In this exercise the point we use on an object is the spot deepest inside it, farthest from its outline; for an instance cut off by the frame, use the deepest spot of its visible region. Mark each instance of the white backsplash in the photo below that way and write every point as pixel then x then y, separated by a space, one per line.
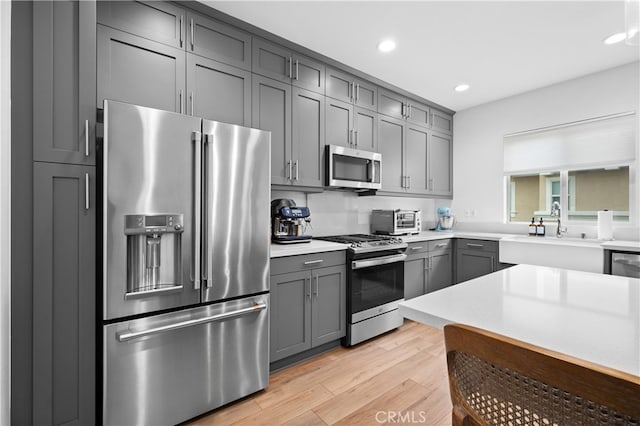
pixel 344 212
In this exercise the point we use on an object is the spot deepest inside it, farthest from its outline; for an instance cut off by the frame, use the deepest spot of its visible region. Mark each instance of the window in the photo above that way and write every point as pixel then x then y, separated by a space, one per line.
pixel 586 167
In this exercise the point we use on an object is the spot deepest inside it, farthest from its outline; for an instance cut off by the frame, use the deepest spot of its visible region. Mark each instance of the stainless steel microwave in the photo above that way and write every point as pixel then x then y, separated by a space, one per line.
pixel 353 168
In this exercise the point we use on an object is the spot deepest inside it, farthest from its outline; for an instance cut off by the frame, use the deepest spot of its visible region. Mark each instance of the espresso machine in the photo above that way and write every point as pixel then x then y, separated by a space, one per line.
pixel 289 223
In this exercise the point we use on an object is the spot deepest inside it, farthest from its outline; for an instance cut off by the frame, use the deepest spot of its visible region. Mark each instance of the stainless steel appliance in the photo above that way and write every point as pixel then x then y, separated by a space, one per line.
pixel 375 284
pixel 289 223
pixel 353 168
pixel 185 267
pixel 396 222
pixel 625 264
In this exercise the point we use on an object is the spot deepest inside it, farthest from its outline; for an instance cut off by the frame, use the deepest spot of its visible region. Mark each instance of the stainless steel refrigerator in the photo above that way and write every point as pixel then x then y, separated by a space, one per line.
pixel 185 264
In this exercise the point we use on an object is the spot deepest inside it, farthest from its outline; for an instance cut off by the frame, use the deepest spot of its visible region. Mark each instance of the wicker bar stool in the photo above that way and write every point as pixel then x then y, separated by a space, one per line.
pixel 496 380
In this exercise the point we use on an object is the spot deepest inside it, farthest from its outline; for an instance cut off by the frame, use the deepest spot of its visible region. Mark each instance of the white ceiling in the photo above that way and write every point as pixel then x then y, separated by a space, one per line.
pixel 500 48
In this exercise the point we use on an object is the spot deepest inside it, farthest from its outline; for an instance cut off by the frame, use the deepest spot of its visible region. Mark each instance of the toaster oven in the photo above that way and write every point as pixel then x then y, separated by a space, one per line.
pixel 396 222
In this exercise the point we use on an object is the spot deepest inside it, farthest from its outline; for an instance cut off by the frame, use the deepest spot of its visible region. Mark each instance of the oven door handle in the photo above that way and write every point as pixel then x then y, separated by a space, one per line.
pixel 384 260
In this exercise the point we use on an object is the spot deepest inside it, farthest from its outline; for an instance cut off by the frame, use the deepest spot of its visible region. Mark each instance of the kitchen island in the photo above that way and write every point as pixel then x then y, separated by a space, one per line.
pixel 586 315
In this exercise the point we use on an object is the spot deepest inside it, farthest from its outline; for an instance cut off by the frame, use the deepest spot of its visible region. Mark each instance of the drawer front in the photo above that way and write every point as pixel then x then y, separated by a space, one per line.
pixel 418 247
pixel 438 245
pixel 480 245
pixel 283 265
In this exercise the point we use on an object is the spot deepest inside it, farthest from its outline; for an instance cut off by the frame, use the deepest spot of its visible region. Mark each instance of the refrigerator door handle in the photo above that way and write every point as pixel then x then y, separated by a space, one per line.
pixel 197 213
pixel 131 335
pixel 207 246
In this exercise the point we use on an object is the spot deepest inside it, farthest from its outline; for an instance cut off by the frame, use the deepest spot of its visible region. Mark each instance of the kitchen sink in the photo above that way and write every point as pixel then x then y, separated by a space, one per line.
pixel 570 253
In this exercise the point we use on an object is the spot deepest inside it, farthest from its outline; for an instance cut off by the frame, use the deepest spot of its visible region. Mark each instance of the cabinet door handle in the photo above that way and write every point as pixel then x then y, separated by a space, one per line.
pixel 410 110
pixel 350 138
pixel 307 282
pixel 356 133
pixel 193 35
pixel 402 110
pixel 417 248
pixel 357 92
pixel 296 166
pixel 317 290
pixel 475 245
pixel 313 262
pixel 408 182
pixel 181 94
pixel 441 245
pixel 191 102
pixel 290 67
pixel 296 69
pixel 289 166
pixel 181 18
pixel 86 191
pixel 86 138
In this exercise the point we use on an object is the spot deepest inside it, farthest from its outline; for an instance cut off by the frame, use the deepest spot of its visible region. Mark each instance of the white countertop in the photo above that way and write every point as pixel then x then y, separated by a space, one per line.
pixel 313 246
pixel 633 246
pixel 590 316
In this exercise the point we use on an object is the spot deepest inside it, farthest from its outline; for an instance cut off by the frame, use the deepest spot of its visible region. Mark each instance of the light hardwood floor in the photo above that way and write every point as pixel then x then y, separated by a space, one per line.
pixel 400 377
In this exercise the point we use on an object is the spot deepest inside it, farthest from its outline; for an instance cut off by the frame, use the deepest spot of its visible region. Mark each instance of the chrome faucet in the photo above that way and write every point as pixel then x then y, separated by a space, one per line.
pixel 556 211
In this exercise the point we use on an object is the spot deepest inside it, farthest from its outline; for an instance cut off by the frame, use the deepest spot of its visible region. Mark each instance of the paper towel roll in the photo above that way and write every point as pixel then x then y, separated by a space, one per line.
pixel 605 225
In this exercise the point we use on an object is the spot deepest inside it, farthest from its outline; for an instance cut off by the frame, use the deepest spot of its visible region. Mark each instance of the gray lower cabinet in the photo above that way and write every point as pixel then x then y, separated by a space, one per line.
pixel 295 117
pixel 139 71
pixel 216 91
pixel 475 258
pixel 277 62
pixel 429 267
pixel 64 70
pixel 64 299
pixel 308 304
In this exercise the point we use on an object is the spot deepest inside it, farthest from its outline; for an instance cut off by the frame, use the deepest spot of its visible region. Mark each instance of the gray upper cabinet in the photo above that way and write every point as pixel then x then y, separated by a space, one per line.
pixel 308 121
pixel 440 161
pixel 441 122
pixel 277 62
pixel 391 133
pixel 416 157
pixel 271 110
pixel 217 91
pixel 158 21
pixel 347 88
pixel 365 129
pixel 339 123
pixel 139 71
pixel 64 70
pixel 398 106
pixel 64 299
pixel 295 117
pixel 213 39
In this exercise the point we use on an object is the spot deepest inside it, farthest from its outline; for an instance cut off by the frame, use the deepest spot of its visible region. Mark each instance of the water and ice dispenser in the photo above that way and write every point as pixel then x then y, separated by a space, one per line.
pixel 154 253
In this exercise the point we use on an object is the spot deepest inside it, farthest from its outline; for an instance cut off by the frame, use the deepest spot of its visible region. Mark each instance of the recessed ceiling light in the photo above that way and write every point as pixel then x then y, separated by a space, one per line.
pixel 615 38
pixel 386 45
pixel 461 87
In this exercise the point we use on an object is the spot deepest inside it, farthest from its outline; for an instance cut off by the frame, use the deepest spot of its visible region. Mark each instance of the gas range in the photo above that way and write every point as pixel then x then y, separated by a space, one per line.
pixel 367 243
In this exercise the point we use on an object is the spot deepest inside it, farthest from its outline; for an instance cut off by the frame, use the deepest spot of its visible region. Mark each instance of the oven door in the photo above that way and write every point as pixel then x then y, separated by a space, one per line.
pixel 375 282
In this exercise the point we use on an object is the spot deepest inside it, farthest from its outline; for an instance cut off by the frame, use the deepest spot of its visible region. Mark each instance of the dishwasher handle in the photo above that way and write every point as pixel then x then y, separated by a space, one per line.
pixel 131 335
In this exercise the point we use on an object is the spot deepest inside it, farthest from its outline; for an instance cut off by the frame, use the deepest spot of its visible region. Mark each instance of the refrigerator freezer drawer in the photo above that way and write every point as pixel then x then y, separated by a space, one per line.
pixel 168 368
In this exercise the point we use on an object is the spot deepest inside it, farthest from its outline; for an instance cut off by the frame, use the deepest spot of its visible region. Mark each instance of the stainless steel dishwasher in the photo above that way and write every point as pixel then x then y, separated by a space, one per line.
pixel 625 264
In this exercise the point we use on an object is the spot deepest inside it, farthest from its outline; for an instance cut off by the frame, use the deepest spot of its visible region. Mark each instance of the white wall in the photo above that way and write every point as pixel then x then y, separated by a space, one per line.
pixel 5 212
pixel 478 133
pixel 344 212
